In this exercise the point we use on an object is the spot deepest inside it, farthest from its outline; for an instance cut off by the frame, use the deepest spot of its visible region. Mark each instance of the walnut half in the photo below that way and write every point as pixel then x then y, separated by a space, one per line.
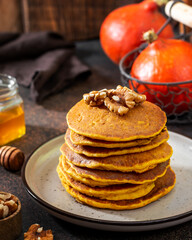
pixel 36 232
pixel 119 100
pixel 95 98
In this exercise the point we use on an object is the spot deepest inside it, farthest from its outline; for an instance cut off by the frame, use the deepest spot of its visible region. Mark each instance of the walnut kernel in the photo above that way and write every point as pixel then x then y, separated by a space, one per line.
pixel 8 205
pixel 119 100
pixel 35 232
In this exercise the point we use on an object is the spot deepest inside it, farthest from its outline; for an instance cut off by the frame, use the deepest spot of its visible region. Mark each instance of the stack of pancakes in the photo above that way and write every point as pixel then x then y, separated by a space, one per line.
pixel 116 162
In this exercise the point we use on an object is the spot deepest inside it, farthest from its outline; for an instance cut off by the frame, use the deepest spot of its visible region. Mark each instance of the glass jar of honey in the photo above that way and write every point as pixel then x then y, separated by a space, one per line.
pixel 12 121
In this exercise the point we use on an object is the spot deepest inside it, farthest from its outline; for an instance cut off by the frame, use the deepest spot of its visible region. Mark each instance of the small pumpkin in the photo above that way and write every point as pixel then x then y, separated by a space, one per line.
pixel 166 61
pixel 122 29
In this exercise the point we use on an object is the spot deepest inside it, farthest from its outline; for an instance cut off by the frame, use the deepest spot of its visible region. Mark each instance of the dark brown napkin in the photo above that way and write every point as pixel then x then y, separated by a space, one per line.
pixel 42 61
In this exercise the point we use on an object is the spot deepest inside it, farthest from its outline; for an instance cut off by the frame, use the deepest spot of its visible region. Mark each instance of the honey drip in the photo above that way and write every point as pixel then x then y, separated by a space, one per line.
pixel 12 124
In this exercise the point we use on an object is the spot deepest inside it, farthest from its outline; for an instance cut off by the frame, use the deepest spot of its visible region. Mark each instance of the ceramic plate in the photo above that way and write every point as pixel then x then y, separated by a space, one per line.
pixel 42 183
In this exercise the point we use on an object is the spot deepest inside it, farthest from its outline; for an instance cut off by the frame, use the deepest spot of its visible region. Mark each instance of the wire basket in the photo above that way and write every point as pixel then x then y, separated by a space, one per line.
pixel 174 98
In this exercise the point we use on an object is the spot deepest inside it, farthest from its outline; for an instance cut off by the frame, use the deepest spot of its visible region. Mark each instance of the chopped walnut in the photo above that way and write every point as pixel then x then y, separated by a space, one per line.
pixel 8 205
pixel 35 232
pixel 119 100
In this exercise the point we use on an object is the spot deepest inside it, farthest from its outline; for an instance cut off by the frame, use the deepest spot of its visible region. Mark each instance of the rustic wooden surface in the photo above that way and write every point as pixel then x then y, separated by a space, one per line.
pixel 49 120
pixel 76 19
pixel 11 16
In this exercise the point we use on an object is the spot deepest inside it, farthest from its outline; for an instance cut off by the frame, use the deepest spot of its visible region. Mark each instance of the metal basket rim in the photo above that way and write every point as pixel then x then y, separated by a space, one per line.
pixel 127 75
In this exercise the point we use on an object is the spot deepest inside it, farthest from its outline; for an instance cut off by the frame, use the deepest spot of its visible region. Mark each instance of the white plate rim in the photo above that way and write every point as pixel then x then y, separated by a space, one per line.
pixel 96 223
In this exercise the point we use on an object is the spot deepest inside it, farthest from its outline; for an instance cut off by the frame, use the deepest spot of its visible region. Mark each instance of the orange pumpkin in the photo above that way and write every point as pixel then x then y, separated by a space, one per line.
pixel 123 28
pixel 166 61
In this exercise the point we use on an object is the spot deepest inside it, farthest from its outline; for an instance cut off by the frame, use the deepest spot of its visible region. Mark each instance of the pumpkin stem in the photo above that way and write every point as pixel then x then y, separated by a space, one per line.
pixel 161 2
pixel 150 36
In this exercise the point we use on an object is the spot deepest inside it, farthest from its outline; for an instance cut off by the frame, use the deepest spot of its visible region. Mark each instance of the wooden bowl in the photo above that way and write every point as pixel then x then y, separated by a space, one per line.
pixel 11 226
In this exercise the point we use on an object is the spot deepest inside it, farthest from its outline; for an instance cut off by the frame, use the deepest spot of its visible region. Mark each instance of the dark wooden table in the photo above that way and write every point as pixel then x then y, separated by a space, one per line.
pixel 48 120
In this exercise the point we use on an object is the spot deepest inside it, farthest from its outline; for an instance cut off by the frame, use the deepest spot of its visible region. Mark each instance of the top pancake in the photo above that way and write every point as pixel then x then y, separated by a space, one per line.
pixel 143 121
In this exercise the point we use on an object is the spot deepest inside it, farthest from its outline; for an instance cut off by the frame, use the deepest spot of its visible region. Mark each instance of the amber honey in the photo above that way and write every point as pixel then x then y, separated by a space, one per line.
pixel 12 124
pixel 12 121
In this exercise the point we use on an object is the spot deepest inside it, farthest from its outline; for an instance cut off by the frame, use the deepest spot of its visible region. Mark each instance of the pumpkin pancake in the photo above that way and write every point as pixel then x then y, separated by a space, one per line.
pixel 163 186
pixel 88 181
pixel 138 162
pixel 114 177
pixel 86 141
pixel 114 192
pixel 143 121
pixel 105 152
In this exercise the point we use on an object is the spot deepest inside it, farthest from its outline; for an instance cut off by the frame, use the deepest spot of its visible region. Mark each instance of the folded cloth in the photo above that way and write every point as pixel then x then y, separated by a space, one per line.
pixel 43 61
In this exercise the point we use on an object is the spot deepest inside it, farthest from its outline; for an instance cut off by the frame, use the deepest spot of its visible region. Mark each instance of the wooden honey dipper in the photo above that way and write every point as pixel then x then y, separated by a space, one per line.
pixel 11 158
pixel 180 12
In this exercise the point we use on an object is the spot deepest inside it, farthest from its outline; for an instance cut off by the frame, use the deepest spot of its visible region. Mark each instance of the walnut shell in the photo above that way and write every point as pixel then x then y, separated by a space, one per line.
pixel 11 158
